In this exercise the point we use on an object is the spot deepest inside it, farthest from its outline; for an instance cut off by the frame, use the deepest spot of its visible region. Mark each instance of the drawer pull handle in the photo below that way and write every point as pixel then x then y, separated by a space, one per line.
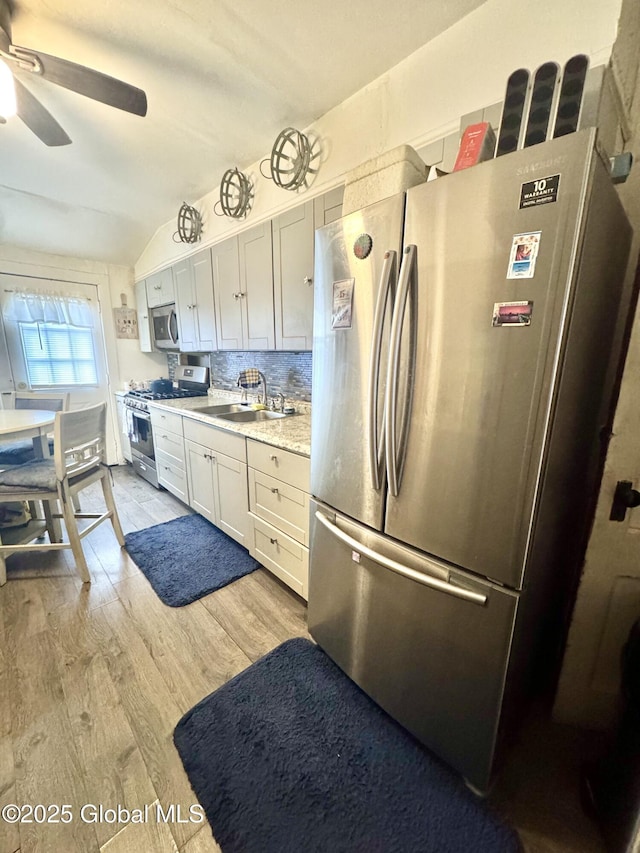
pixel 273 457
pixel 274 491
pixel 273 541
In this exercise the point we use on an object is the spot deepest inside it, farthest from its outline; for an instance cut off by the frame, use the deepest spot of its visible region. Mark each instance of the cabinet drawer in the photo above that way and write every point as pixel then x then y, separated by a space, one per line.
pixel 163 420
pixel 280 504
pixel 228 443
pixel 281 464
pixel 169 444
pixel 277 552
pixel 172 476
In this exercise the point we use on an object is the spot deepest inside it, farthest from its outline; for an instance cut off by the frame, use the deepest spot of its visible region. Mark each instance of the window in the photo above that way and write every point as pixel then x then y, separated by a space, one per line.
pixel 57 354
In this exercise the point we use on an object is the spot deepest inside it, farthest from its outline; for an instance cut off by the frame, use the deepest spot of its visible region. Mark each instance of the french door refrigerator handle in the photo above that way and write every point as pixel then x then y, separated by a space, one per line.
pixel 391 450
pixel 399 569
pixel 376 446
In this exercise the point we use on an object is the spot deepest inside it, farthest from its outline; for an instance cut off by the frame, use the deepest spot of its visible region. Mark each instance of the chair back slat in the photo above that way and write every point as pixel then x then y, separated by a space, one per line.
pixel 46 402
pixel 79 440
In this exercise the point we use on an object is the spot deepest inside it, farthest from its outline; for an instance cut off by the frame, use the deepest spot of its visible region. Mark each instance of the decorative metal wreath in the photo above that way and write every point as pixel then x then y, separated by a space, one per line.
pixel 236 195
pixel 189 225
pixel 291 158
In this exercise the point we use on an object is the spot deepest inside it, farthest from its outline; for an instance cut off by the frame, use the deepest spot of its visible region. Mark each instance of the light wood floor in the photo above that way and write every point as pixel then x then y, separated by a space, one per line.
pixel 94 680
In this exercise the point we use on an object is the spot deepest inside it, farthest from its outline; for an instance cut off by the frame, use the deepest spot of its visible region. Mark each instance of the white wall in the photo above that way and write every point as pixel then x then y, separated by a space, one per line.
pixel 418 101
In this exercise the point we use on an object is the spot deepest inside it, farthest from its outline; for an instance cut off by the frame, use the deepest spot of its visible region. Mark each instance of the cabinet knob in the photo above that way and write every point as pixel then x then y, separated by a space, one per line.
pixel 273 541
pixel 274 491
pixel 308 280
pixel 273 457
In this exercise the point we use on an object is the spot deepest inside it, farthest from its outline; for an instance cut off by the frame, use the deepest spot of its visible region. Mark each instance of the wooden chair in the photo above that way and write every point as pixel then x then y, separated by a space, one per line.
pixel 78 461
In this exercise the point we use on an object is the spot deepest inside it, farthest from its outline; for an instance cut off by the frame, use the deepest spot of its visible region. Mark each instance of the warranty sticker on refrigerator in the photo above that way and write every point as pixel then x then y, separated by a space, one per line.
pixel 342 306
pixel 523 255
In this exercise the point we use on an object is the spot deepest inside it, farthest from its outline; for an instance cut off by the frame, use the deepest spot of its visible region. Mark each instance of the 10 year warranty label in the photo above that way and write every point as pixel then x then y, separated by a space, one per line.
pixel 542 191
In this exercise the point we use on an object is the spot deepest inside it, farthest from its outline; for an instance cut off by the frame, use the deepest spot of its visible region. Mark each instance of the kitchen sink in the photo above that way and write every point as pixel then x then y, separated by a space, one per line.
pixel 223 408
pixel 250 416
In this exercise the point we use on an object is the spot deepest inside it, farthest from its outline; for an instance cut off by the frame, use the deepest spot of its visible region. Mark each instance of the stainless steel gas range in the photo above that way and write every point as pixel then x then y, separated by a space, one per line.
pixel 190 381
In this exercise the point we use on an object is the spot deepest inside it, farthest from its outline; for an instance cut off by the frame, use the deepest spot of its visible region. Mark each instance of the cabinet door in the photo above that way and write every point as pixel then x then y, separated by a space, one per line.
pixel 232 497
pixel 256 287
pixel 144 322
pixel 200 480
pixel 160 288
pixel 293 234
pixel 226 286
pixel 205 318
pixel 183 284
pixel 328 207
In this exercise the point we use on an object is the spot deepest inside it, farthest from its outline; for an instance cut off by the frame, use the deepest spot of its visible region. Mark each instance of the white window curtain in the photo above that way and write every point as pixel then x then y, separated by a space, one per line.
pixel 29 306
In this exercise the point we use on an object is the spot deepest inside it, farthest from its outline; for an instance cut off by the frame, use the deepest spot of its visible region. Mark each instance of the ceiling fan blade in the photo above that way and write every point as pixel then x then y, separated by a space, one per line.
pixel 37 118
pixel 92 84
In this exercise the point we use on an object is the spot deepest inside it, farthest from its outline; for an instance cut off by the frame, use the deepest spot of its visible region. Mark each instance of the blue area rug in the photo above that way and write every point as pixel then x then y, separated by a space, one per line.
pixel 292 756
pixel 187 558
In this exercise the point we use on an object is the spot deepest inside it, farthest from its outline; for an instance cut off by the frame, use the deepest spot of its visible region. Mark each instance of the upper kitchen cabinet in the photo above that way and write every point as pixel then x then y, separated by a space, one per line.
pixel 243 286
pixel 328 207
pixel 193 282
pixel 226 279
pixel 293 237
pixel 293 277
pixel 256 287
pixel 144 322
pixel 160 288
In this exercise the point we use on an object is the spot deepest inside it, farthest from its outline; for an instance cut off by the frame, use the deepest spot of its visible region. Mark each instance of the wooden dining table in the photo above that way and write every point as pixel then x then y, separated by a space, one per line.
pixel 35 424
pixel 28 423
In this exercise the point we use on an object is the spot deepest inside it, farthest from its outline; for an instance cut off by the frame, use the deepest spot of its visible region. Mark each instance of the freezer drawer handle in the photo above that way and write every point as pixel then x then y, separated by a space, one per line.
pixel 385 297
pixel 398 568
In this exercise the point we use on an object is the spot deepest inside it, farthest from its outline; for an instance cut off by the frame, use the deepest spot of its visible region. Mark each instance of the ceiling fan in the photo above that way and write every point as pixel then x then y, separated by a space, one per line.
pixel 77 78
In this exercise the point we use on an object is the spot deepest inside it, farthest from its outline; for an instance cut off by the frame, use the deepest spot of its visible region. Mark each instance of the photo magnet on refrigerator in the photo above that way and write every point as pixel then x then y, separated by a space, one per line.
pixel 522 258
pixel 512 314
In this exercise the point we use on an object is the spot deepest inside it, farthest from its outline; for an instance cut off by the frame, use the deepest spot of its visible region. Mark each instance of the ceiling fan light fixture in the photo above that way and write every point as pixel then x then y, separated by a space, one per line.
pixel 7 92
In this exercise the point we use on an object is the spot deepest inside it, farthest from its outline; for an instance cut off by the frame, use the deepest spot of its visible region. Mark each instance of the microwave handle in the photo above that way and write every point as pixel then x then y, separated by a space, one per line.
pixel 173 326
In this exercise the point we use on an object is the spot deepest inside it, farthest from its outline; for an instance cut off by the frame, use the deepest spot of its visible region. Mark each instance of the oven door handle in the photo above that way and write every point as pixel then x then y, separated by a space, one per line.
pixel 138 413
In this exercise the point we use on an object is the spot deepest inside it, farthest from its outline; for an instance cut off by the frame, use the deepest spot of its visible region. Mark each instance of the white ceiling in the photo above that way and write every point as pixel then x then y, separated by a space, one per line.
pixel 222 79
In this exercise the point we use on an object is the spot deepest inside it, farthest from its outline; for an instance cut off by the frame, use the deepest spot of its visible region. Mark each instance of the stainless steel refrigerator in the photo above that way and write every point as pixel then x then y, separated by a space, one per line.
pixel 466 335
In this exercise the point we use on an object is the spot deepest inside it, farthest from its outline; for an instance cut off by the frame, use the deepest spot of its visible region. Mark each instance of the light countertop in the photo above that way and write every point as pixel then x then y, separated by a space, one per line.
pixel 290 433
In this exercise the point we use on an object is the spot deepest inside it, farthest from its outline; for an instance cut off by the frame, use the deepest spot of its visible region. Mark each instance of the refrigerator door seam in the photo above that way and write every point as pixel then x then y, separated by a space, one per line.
pixel 385 295
pixel 404 282
pixel 399 569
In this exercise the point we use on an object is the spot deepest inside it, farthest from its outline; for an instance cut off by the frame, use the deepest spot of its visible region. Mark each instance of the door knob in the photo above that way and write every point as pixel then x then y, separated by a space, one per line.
pixel 625 497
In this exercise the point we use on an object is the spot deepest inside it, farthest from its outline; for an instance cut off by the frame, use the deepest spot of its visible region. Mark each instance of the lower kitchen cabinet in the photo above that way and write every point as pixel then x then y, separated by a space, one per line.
pixel 217 477
pixel 170 454
pixel 279 513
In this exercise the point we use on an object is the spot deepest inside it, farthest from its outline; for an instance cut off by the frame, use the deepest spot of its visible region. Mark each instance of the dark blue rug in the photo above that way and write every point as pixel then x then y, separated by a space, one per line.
pixel 187 558
pixel 292 756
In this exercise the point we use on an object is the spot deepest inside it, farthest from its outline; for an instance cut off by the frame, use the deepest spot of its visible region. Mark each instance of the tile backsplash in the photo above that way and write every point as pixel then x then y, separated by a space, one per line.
pixel 287 373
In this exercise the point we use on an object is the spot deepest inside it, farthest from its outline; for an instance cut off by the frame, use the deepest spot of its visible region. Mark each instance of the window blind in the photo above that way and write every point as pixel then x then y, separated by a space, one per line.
pixel 58 355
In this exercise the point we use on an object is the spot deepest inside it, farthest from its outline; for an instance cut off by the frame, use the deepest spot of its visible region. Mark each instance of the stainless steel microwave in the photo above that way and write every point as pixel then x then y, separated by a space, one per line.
pixel 164 323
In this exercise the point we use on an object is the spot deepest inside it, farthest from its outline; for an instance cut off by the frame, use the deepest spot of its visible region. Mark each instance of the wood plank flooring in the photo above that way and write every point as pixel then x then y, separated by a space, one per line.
pixel 93 680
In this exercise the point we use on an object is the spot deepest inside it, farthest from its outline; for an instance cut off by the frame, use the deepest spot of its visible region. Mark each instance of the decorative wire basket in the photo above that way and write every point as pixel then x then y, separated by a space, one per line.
pixel 189 225
pixel 291 158
pixel 236 195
